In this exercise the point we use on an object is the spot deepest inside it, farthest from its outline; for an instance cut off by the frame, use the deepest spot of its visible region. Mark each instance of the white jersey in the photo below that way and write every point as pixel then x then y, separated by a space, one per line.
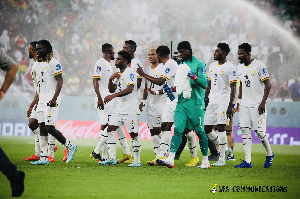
pixel 103 71
pixel 134 65
pixel 156 73
pixel 127 104
pixel 46 82
pixel 252 78
pixel 169 74
pixel 33 64
pixel 221 76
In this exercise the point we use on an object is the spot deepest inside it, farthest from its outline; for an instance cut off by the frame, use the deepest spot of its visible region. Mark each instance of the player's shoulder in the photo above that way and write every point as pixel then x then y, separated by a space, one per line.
pixel 258 63
pixel 171 63
pixel 135 61
pixel 229 65
pixel 213 64
pixel 54 62
pixel 100 61
pixel 129 70
pixel 199 63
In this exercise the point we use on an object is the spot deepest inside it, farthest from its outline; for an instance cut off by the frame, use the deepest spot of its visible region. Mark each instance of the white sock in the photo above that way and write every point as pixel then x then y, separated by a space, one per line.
pixel 265 141
pixel 122 139
pixel 111 144
pixel 222 145
pixel 68 144
pixel 37 146
pixel 102 140
pixel 213 136
pixel 44 152
pixel 156 141
pixel 171 157
pixel 205 159
pixel 247 143
pixel 192 143
pixel 165 142
pixel 51 145
pixel 136 149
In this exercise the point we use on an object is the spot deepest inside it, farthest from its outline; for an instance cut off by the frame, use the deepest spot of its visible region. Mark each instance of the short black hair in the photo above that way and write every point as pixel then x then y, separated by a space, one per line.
pixel 33 44
pixel 163 50
pixel 224 47
pixel 246 47
pixel 184 45
pixel 131 43
pixel 47 44
pixel 106 48
pixel 126 55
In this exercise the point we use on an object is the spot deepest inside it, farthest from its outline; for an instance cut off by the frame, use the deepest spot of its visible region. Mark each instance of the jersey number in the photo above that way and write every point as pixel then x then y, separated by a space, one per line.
pixel 216 78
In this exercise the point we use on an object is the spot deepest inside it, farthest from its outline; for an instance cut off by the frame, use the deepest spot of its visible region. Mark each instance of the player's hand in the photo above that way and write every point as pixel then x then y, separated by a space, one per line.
pixel 262 108
pixel 237 109
pixel 52 103
pixel 109 98
pixel 115 76
pixel 29 111
pixel 140 71
pixel 100 104
pixel 229 111
pixel 141 105
pixel 1 95
pixel 206 101
pixel 151 91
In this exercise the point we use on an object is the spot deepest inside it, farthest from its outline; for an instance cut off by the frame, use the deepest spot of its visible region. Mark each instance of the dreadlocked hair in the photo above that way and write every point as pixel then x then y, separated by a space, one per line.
pixel 185 45
pixel 48 46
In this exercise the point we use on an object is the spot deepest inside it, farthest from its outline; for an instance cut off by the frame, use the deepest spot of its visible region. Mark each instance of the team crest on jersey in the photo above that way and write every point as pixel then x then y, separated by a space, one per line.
pixel 234 73
pixel 132 124
pixel 167 70
pixel 264 71
pixel 131 77
pixel 58 67
pixel 221 73
pixel 98 70
pixel 223 114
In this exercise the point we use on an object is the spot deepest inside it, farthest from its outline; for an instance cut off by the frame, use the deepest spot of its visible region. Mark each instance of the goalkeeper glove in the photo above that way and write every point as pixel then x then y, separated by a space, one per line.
pixel 192 75
pixel 168 91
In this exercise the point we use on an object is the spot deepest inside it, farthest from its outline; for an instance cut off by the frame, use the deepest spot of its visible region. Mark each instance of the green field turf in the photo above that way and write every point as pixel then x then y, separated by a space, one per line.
pixel 84 178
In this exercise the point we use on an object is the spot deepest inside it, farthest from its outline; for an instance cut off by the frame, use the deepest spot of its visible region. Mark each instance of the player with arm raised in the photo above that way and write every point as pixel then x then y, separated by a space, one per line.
pixel 49 84
pixel 168 79
pixel 221 91
pixel 253 93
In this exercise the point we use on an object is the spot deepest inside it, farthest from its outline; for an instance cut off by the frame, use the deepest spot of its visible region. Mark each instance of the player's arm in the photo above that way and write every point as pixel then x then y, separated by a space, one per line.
pixel 111 86
pixel 100 103
pixel 122 93
pixel 145 94
pixel 207 91
pixel 159 81
pixel 139 82
pixel 262 106
pixel 201 78
pixel 33 103
pixel 59 84
pixel 237 109
pixel 8 80
pixel 232 95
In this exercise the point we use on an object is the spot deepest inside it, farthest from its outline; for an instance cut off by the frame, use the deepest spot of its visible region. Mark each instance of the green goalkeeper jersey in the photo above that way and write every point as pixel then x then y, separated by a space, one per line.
pixel 198 86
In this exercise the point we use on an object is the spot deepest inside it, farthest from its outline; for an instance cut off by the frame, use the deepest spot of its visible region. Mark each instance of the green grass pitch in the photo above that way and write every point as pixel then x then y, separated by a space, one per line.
pixel 84 178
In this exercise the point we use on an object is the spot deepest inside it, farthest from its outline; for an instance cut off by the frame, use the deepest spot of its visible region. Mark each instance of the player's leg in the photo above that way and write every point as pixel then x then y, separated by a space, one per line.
pixel 51 146
pixel 51 116
pixel 191 137
pixel 44 146
pixel 230 139
pixel 131 122
pixel 245 125
pixel 101 145
pixel 259 126
pixel 123 141
pixel 181 147
pixel 210 119
pixel 34 126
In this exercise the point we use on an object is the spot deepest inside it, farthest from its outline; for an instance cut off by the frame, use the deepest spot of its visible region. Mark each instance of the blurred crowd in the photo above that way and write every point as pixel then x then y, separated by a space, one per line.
pixel 78 28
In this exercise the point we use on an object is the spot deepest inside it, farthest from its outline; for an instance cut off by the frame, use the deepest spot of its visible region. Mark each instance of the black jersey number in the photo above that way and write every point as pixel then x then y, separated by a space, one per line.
pixel 216 78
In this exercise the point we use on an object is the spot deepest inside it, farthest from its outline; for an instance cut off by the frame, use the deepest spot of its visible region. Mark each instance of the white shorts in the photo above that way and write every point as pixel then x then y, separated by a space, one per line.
pixel 47 114
pixel 168 112
pixel 249 117
pixel 154 115
pixel 215 114
pixel 131 121
pixel 105 114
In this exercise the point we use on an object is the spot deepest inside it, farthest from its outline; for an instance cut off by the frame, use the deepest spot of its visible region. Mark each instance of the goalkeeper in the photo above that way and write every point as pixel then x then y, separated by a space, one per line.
pixel 189 113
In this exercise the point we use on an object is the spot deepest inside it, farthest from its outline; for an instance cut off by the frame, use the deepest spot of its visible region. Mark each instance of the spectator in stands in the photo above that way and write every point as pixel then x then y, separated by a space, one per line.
pixel 295 90
pixel 284 91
